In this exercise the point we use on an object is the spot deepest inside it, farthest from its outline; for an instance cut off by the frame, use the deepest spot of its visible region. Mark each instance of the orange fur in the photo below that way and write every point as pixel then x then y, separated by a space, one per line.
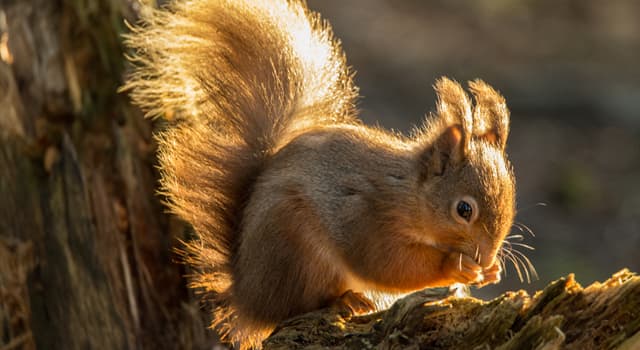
pixel 293 200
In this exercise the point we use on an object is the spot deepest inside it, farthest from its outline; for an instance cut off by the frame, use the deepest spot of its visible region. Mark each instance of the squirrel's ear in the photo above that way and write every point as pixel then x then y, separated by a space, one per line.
pixel 449 130
pixel 445 151
pixel 490 114
pixel 454 109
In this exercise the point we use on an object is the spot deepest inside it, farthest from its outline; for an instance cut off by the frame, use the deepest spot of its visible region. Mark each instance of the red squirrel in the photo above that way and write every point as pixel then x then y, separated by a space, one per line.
pixel 295 202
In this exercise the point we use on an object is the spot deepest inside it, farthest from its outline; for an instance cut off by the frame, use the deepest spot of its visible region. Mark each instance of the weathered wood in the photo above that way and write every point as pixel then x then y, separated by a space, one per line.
pixel 77 187
pixel 16 261
pixel 562 316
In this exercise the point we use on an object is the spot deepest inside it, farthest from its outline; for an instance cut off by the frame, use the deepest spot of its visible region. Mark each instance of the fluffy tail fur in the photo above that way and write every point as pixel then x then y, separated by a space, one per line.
pixel 238 78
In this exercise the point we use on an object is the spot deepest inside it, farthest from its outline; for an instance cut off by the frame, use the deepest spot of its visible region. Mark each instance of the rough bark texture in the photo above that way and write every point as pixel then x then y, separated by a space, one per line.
pixel 562 316
pixel 86 259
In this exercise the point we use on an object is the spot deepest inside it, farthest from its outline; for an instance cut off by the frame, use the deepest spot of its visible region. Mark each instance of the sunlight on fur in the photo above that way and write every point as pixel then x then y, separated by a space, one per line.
pixel 264 156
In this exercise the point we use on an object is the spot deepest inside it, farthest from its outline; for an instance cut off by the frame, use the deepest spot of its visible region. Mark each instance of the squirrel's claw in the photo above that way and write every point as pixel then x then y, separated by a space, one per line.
pixel 353 303
pixel 459 267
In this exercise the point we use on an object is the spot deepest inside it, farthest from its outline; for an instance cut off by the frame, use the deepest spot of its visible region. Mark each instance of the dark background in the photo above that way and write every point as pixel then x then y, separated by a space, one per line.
pixel 569 71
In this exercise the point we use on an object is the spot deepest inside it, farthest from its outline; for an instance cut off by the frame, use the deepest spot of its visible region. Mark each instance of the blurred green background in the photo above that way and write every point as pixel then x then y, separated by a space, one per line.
pixel 570 73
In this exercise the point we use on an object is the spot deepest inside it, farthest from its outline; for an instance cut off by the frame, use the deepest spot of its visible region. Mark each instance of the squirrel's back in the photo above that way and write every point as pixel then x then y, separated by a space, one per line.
pixel 236 79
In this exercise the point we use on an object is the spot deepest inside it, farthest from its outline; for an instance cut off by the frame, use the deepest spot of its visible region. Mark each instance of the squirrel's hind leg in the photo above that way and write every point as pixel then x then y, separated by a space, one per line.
pixel 353 303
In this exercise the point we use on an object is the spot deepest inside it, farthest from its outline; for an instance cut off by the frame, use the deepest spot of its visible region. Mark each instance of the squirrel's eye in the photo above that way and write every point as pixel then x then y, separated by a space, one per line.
pixel 465 210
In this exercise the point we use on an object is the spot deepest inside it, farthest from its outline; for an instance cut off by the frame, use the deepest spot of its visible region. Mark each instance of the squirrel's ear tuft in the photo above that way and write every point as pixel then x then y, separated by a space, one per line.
pixel 449 131
pixel 454 108
pixel 490 114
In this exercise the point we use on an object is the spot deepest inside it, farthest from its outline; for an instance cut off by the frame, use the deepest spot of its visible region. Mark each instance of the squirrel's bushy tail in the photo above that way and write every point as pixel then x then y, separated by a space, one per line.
pixel 238 78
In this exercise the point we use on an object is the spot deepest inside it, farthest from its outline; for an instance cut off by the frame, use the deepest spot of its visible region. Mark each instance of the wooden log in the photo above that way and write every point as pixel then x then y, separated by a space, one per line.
pixel 562 316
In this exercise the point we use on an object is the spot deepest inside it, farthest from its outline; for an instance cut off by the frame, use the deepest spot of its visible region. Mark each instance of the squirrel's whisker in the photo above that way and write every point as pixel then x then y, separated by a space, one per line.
pixel 529 207
pixel 524 268
pixel 532 268
pixel 475 255
pixel 523 265
pixel 503 265
pixel 514 236
pixel 518 227
pixel 525 227
pixel 501 259
pixel 509 255
pixel 525 246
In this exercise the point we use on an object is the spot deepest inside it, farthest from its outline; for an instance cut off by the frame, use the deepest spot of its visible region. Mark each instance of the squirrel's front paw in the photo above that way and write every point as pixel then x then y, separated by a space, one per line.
pixel 461 268
pixel 491 274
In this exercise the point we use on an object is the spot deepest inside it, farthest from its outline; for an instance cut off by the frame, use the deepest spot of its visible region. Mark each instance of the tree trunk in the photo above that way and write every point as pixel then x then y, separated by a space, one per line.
pixel 86 257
